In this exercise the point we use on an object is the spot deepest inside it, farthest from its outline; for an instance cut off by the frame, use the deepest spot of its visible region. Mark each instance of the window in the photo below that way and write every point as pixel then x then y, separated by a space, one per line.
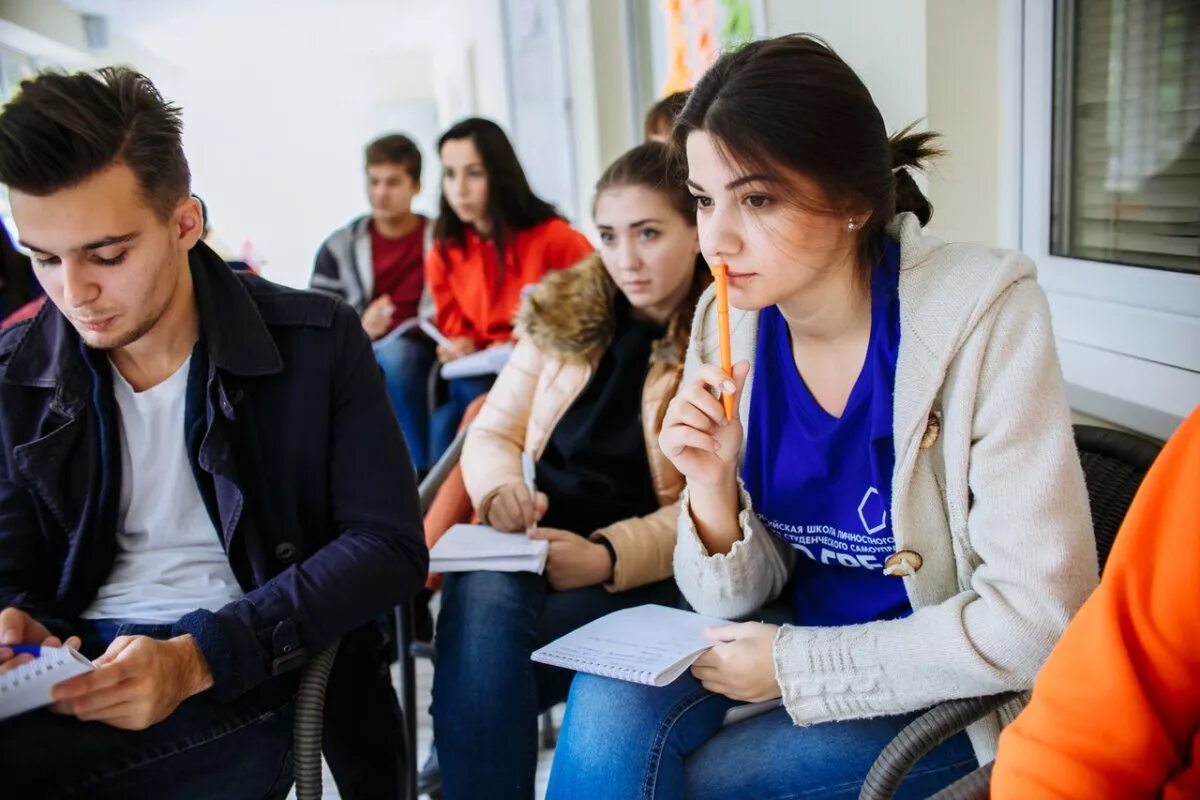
pixel 1109 198
pixel 1126 173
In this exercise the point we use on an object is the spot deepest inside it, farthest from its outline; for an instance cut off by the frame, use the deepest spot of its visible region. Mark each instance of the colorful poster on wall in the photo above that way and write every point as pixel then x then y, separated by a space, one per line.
pixel 696 31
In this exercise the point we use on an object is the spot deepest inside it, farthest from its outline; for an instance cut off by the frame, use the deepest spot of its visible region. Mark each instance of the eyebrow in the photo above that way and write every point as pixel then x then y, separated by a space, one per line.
pixel 757 177
pixel 107 241
pixel 638 224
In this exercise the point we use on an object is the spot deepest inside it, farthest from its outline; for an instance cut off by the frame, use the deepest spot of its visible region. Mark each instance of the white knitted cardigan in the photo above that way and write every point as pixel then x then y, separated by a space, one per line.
pixel 994 505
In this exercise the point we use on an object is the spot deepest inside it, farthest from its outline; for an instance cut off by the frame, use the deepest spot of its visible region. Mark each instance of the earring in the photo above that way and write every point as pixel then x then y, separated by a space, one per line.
pixel 851 225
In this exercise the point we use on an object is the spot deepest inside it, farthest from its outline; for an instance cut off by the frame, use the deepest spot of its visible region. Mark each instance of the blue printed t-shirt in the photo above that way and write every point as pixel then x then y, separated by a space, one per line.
pixel 823 484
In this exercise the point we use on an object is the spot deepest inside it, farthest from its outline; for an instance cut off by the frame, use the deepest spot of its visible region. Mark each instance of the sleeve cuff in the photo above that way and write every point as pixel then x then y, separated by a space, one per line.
pixel 205 628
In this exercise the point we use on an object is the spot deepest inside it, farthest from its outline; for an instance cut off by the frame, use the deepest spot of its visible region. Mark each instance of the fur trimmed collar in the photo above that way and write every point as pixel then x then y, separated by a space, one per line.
pixel 571 314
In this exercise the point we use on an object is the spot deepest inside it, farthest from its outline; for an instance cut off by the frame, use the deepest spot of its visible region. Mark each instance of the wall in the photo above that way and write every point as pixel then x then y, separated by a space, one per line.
pixel 468 65
pixel 273 126
pixel 275 140
pixel 963 82
pixel 884 40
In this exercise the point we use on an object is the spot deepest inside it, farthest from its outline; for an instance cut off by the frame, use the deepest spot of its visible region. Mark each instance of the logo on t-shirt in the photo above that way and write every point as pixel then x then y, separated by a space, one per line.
pixel 872 511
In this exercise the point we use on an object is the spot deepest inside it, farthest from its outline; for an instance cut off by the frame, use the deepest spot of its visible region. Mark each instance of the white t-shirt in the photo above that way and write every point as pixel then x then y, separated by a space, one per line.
pixel 169 560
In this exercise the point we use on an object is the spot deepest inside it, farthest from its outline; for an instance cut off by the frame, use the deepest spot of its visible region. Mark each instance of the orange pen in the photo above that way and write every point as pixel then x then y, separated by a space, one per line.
pixel 722 281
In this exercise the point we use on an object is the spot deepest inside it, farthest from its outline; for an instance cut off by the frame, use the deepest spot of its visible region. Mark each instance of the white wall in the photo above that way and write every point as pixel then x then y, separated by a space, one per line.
pixel 468 60
pixel 276 141
pixel 966 108
pixel 883 40
pixel 278 99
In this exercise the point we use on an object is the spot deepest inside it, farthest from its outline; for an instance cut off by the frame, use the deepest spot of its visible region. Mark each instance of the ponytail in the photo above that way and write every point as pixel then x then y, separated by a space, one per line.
pixel 912 151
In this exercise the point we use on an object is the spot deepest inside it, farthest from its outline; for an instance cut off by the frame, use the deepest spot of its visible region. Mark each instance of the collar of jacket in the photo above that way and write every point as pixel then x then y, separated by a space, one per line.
pixel 48 354
pixel 571 314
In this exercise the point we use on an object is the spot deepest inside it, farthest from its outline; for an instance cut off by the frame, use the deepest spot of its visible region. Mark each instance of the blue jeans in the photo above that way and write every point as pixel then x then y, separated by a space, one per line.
pixel 205 749
pixel 622 740
pixel 444 424
pixel 406 363
pixel 486 692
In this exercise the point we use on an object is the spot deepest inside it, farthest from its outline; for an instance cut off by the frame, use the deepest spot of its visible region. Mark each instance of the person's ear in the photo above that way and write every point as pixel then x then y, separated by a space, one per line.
pixel 187 223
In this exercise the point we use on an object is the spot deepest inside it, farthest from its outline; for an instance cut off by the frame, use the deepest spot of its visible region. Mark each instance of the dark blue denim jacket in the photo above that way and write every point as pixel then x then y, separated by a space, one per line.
pixel 296 451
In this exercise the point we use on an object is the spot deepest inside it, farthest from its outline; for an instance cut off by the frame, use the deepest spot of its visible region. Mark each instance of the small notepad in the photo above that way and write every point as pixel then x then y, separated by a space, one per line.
pixel 651 645
pixel 481 548
pixel 28 686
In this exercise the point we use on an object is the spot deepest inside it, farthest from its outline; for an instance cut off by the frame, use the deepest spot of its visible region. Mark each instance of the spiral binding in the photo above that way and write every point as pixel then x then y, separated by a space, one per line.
pixel 26 672
pixel 620 673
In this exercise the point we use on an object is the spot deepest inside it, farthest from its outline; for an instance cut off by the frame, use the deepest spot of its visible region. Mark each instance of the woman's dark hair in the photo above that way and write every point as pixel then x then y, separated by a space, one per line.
pixel 511 205
pixel 650 165
pixel 793 103
pixel 61 129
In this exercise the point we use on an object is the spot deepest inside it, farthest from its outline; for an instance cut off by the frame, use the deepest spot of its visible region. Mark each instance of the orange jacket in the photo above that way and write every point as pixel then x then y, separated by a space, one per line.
pixel 1116 710
pixel 464 287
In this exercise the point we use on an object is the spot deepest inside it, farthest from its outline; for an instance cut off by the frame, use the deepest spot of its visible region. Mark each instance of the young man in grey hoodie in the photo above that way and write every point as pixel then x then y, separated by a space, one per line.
pixel 376 264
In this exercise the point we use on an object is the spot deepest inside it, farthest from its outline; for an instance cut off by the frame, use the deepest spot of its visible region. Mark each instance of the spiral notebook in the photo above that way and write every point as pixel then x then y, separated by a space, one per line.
pixel 28 686
pixel 651 645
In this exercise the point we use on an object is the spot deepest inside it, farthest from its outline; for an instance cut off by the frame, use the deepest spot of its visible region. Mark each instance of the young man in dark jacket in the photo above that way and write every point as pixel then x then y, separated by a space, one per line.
pixel 201 480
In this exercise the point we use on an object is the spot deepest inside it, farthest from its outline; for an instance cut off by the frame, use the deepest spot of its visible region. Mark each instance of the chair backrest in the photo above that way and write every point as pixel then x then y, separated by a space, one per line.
pixel 1114 464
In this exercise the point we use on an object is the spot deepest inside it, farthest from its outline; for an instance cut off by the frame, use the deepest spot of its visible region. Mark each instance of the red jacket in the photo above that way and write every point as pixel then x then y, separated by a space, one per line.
pixel 472 302
pixel 1116 710
pixel 27 311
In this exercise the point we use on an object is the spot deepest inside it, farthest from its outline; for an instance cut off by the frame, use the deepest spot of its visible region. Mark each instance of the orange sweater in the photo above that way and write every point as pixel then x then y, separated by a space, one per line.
pixel 1116 710
pixel 464 283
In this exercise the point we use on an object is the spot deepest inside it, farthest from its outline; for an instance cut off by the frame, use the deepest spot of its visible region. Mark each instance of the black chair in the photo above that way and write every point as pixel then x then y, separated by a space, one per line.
pixel 1114 464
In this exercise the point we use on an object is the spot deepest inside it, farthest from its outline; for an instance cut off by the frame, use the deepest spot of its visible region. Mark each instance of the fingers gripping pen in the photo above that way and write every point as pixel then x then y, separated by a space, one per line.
pixel 719 275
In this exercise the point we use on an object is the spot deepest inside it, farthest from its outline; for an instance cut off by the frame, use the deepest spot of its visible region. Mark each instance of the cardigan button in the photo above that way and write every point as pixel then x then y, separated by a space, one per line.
pixel 903 564
pixel 933 428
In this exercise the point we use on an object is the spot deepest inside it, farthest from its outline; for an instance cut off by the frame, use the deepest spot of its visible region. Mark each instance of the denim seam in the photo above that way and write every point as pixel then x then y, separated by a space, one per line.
pixel 190 742
pixel 650 780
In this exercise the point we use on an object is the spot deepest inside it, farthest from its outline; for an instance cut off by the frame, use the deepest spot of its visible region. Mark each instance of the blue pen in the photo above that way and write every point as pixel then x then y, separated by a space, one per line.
pixel 24 649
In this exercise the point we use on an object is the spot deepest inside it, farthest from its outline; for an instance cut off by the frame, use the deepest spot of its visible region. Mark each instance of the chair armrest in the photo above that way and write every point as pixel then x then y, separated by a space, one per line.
pixel 308 727
pixel 973 786
pixel 922 735
pixel 438 472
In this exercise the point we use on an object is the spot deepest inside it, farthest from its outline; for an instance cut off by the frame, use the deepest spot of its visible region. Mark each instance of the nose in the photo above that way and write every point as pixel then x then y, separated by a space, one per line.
pixel 628 258
pixel 78 289
pixel 720 234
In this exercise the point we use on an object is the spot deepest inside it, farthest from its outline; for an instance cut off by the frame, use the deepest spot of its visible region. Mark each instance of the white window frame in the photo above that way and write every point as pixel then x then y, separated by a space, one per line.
pixel 1128 336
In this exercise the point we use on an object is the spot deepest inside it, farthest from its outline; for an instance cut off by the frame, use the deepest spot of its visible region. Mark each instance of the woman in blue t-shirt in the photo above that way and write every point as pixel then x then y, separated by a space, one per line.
pixel 899 474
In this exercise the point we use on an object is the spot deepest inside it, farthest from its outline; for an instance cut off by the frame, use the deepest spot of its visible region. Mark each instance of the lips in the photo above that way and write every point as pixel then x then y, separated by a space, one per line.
pixel 635 286
pixel 96 325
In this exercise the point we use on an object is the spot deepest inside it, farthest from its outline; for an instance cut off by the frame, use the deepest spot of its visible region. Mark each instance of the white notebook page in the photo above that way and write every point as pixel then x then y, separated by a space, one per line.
pixel 28 686
pixel 648 644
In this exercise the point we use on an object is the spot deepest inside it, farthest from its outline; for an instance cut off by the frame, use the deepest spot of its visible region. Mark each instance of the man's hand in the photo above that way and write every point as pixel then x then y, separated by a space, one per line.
pixel 139 681
pixel 742 667
pixel 573 561
pixel 378 316
pixel 17 627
